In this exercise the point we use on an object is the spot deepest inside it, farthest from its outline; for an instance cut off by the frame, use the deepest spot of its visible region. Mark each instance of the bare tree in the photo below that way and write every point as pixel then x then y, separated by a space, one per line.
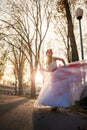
pixel 18 62
pixel 3 59
pixel 61 31
pixel 3 54
pixel 63 7
pixel 26 23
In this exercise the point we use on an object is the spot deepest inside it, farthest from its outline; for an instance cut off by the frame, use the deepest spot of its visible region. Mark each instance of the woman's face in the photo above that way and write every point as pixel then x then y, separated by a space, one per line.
pixel 49 53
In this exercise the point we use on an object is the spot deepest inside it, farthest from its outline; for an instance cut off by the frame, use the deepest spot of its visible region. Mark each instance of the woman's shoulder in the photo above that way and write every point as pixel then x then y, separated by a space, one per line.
pixel 54 58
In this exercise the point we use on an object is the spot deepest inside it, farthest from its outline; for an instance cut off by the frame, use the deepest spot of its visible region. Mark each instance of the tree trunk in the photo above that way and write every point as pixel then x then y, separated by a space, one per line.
pixel 33 88
pixel 33 74
pixel 20 91
pixel 70 32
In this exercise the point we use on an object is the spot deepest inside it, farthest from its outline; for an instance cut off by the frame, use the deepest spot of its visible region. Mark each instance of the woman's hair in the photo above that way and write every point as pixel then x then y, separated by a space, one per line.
pixel 49 58
pixel 49 51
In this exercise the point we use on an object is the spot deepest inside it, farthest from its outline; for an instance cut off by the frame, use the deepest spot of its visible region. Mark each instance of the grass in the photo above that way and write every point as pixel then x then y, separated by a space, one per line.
pixel 80 109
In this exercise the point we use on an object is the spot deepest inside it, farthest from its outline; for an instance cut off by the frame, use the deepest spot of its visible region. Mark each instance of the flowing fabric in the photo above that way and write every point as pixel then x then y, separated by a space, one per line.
pixel 63 87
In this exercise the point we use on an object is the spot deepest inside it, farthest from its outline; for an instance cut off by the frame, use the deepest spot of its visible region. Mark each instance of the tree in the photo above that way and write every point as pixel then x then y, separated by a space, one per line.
pixel 26 21
pixel 3 54
pixel 18 62
pixel 63 6
pixel 3 59
pixel 63 38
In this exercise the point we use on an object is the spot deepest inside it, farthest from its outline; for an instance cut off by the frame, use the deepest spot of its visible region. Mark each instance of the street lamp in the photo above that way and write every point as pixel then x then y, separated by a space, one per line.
pixel 79 14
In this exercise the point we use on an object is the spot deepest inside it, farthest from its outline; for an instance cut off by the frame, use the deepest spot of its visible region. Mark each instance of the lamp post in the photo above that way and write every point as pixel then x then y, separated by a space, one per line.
pixel 79 14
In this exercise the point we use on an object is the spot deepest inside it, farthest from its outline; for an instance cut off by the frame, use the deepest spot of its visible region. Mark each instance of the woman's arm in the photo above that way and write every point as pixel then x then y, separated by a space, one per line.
pixel 58 58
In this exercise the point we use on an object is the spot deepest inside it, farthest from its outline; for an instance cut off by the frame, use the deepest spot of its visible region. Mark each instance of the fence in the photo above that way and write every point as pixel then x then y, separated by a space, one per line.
pixel 7 89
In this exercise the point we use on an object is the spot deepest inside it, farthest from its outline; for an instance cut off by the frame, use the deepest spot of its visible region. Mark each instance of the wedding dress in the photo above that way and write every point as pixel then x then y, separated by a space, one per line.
pixel 63 85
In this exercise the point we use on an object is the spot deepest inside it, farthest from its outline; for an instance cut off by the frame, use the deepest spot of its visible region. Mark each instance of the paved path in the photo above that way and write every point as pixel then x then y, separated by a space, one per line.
pixel 18 113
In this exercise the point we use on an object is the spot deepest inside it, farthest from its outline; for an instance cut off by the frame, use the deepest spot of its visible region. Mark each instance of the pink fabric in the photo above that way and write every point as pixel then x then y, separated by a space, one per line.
pixel 63 86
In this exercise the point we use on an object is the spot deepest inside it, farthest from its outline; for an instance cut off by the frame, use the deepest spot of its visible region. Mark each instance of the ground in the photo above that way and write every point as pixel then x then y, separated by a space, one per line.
pixel 18 113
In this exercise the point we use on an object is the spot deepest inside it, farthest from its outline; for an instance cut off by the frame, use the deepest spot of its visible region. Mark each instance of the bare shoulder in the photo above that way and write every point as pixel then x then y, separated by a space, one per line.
pixel 55 58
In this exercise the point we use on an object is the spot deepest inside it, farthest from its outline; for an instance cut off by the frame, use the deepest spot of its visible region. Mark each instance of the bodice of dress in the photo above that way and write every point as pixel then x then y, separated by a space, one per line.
pixel 51 66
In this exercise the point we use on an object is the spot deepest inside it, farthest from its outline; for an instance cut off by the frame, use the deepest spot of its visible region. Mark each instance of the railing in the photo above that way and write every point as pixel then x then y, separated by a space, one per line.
pixel 7 89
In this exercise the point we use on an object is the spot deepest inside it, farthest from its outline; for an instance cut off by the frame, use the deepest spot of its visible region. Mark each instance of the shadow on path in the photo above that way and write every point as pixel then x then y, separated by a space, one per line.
pixel 7 107
pixel 44 119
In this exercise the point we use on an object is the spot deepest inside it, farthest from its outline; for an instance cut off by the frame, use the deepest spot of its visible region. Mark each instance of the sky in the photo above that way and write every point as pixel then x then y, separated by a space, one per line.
pixel 3 4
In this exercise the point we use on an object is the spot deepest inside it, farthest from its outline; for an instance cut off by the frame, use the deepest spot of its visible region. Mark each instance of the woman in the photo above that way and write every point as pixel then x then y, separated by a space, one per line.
pixel 62 85
pixel 51 63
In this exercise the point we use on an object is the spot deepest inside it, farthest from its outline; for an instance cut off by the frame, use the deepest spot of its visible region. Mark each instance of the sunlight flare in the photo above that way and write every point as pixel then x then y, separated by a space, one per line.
pixel 38 77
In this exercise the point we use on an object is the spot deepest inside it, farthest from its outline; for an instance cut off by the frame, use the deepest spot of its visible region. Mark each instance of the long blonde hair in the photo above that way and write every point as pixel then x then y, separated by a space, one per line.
pixel 49 60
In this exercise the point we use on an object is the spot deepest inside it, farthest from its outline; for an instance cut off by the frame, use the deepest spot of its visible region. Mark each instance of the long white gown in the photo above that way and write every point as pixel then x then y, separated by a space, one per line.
pixel 63 86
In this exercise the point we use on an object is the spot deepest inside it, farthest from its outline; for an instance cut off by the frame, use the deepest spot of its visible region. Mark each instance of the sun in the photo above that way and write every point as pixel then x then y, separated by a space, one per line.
pixel 39 77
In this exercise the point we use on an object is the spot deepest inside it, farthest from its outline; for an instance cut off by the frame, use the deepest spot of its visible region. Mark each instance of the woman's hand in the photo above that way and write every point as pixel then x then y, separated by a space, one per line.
pixel 64 64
